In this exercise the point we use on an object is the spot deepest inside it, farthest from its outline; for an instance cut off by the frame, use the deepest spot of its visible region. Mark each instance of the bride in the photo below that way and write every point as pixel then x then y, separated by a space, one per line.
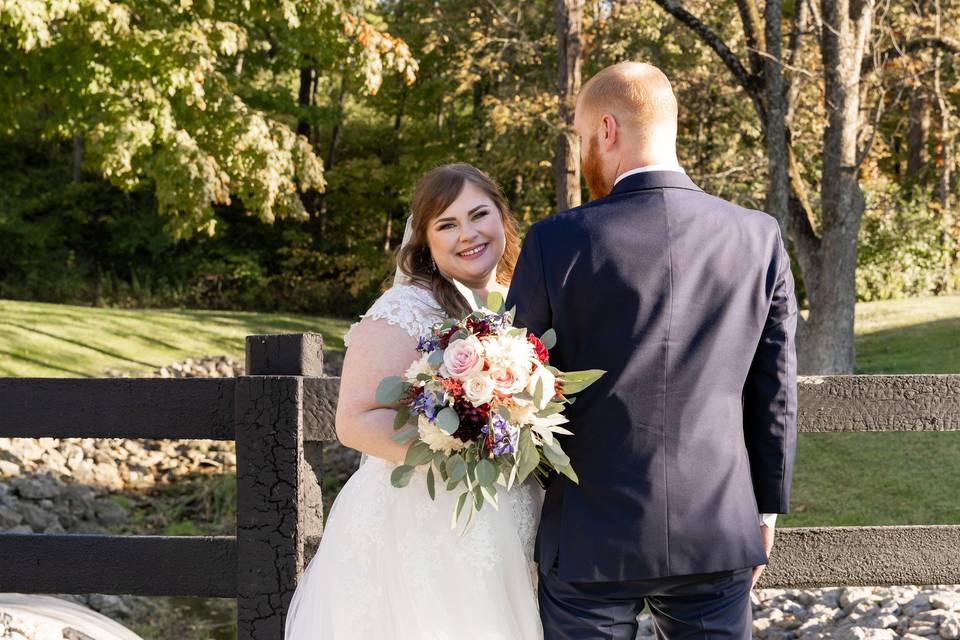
pixel 389 566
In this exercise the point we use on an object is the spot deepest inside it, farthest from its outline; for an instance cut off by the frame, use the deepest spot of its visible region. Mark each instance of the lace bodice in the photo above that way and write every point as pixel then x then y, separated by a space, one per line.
pixel 408 306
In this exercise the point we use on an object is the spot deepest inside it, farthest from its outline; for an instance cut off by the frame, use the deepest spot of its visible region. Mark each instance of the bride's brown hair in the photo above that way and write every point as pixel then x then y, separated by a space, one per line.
pixel 436 191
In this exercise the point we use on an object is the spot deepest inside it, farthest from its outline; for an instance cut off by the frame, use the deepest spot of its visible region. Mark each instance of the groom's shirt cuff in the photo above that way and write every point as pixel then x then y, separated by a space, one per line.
pixel 768 519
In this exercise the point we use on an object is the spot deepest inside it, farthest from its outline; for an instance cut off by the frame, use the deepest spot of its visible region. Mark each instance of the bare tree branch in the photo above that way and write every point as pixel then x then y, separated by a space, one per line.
pixel 748 82
pixel 940 43
pixel 801 18
pixel 753 30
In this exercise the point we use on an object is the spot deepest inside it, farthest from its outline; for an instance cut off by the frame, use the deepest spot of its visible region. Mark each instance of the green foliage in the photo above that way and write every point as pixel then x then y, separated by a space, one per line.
pixel 156 91
pixel 907 247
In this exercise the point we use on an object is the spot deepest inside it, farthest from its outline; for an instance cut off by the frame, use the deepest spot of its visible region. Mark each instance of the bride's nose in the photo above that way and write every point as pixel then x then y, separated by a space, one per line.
pixel 468 232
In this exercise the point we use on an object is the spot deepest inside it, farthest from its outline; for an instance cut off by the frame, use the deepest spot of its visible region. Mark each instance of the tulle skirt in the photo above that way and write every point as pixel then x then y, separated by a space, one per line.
pixel 389 566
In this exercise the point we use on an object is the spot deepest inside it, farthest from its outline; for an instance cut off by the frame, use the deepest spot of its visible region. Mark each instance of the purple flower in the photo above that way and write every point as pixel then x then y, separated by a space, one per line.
pixel 428 404
pixel 426 344
pixel 504 435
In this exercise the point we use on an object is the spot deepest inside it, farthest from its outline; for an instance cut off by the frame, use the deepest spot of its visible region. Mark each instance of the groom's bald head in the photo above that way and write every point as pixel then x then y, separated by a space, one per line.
pixel 626 117
pixel 637 94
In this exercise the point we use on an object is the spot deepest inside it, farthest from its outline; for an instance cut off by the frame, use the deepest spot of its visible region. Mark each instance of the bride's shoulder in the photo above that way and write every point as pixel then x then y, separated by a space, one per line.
pixel 406 305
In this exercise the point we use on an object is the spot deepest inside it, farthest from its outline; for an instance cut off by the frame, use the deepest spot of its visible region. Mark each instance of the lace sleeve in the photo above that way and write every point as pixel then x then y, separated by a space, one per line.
pixel 407 306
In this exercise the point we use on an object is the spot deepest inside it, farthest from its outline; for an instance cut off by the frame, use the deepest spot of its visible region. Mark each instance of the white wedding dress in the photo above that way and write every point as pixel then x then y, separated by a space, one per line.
pixel 389 567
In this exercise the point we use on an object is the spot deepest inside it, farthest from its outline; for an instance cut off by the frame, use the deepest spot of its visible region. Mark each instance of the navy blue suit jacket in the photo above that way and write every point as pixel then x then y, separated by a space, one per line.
pixel 687 301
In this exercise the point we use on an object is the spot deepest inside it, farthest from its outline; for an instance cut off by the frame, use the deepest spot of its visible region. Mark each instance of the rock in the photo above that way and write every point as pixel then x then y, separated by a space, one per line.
pixel 110 514
pixel 8 468
pixel 947 600
pixel 950 628
pixel 36 488
pixel 864 633
pixel 9 517
pixel 849 596
pixel 109 605
pixel 37 518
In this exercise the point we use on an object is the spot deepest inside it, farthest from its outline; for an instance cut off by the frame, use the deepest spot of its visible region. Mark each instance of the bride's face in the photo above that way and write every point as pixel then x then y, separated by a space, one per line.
pixel 467 238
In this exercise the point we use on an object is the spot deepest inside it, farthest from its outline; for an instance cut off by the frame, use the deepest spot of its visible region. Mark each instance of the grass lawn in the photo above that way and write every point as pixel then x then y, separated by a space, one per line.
pixel 887 478
pixel 52 340
pixel 840 479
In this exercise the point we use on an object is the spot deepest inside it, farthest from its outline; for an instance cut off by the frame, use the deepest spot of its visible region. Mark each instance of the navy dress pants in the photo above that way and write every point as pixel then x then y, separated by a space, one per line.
pixel 703 606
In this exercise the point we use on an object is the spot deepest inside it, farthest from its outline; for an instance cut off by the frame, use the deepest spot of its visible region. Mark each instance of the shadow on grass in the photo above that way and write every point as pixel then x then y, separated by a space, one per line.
pixel 77 343
pixel 43 363
pixel 925 347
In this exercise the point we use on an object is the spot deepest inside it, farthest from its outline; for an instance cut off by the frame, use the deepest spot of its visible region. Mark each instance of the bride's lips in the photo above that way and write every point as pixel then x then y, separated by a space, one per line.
pixel 472 253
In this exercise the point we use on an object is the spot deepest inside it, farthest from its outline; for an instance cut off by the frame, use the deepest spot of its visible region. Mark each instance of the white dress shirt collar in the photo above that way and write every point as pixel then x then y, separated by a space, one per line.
pixel 649 167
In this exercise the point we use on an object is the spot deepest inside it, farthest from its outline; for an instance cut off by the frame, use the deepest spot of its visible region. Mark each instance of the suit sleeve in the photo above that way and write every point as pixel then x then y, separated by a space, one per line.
pixel 528 291
pixel 770 395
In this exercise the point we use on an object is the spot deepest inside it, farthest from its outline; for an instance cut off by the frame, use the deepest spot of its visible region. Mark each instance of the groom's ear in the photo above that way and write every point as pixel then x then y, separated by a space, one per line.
pixel 609 131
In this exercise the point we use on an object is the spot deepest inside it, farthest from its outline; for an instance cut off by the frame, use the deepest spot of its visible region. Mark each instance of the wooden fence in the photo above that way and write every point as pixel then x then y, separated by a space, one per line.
pixel 281 412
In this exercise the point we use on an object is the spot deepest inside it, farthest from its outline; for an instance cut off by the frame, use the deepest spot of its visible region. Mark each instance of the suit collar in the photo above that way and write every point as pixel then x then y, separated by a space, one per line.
pixel 654 180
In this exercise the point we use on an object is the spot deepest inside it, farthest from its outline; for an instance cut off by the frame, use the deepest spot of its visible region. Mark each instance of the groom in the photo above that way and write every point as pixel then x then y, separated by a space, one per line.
pixel 685 448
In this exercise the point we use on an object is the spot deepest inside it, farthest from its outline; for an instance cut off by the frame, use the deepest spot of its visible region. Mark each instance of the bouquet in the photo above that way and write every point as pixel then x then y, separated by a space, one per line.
pixel 484 407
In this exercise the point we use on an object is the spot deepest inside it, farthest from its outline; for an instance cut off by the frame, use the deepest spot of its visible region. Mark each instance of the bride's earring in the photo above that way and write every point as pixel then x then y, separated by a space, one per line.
pixel 434 264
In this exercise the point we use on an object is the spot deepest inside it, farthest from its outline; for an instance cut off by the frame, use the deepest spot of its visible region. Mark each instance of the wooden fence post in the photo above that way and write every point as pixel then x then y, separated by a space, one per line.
pixel 278 492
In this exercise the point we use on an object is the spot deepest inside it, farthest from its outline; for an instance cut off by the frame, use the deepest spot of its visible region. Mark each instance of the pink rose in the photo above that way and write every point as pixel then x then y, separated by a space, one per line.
pixel 507 382
pixel 463 358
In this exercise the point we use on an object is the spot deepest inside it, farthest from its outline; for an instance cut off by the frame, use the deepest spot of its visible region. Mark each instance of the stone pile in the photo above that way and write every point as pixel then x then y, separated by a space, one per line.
pixel 851 613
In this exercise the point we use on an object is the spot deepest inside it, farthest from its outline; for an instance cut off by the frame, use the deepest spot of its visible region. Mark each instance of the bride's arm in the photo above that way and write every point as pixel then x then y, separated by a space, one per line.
pixel 377 350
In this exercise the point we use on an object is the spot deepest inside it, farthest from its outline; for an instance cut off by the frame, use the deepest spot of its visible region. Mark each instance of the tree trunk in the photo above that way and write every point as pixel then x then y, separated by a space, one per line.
pixel 917 128
pixel 77 156
pixel 828 335
pixel 778 179
pixel 566 162
pixel 304 99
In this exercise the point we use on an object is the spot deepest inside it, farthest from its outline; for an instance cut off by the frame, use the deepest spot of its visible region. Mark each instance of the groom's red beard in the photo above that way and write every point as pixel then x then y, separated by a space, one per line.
pixel 593 172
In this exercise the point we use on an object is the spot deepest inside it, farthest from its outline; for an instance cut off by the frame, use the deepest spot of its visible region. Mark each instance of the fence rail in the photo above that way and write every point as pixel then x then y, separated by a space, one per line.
pixel 280 414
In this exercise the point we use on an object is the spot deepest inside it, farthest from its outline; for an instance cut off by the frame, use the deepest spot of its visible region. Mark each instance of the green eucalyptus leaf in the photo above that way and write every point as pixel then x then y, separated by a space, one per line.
pixel 431 488
pixel 403 415
pixel 462 500
pixel 401 476
pixel 490 496
pixel 555 455
pixel 456 468
pixel 390 390
pixel 435 359
pixel 568 471
pixel 579 380
pixel 448 421
pixel 405 435
pixel 418 453
pixel 486 473
pixel 495 302
pixel 549 338
pixel 550 409
pixel 529 457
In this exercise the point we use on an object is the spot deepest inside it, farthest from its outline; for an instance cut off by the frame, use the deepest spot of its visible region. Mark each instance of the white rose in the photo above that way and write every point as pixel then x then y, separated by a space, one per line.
pixel 436 439
pixel 479 389
pixel 546 377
